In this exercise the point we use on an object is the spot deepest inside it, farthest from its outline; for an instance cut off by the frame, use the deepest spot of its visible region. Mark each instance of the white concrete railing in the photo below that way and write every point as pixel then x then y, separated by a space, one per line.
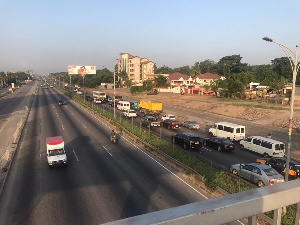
pixel 247 204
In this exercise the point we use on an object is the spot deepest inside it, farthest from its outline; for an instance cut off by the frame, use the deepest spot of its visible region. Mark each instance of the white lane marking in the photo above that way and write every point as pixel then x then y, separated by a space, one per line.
pixel 75 155
pixel 167 169
pixel 107 150
pixel 84 125
pixel 62 127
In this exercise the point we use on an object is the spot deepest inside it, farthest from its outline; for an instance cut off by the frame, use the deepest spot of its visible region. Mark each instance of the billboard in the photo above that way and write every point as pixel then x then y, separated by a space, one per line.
pixel 82 70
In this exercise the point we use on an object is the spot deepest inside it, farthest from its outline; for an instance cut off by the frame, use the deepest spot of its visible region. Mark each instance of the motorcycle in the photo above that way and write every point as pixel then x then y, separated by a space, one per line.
pixel 113 138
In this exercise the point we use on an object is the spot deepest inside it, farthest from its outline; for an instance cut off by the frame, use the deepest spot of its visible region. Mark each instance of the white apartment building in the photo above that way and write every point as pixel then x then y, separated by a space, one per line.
pixel 137 68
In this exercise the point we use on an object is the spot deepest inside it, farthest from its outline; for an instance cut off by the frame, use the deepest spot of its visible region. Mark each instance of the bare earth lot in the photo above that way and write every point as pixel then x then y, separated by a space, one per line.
pixel 266 115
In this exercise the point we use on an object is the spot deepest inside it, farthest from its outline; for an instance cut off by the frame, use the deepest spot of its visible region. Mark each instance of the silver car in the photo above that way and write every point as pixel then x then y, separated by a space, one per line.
pixel 191 124
pixel 257 173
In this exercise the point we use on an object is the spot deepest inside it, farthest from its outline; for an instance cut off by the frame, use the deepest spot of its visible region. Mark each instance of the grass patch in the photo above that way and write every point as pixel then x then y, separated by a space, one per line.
pixel 228 99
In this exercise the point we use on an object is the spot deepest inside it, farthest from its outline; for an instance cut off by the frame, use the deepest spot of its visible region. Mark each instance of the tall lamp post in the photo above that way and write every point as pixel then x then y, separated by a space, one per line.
pixel 114 93
pixel 295 66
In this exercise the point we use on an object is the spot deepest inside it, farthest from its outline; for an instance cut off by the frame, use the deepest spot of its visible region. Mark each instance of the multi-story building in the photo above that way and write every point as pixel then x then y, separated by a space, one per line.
pixel 137 68
pixel 207 79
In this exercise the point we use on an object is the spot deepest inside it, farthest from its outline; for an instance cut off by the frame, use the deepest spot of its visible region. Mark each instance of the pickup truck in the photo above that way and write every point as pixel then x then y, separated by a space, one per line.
pixel 149 120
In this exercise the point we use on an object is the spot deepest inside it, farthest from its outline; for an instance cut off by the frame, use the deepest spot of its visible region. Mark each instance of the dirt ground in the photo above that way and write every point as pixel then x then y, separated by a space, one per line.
pixel 267 115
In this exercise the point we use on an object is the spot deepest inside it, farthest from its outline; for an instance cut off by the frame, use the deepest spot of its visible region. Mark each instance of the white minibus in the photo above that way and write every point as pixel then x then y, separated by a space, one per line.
pixel 231 131
pixel 264 146
pixel 123 105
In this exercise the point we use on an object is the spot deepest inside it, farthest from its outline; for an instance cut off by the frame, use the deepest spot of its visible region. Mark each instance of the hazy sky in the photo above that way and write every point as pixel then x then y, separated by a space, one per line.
pixel 48 35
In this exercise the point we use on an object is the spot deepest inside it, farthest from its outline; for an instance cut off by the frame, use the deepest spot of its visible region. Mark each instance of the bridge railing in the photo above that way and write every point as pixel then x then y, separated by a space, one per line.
pixel 229 208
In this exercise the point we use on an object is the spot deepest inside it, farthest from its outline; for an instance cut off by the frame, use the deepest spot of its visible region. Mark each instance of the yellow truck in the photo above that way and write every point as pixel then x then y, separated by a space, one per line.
pixel 150 107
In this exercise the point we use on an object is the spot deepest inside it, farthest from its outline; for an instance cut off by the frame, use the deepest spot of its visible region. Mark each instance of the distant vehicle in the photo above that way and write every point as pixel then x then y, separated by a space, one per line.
pixel 88 98
pixel 168 116
pixel 155 116
pixel 130 113
pixel 191 124
pixel 188 140
pixel 231 131
pixel 221 144
pixel 134 105
pixel 99 94
pixel 61 102
pixel 150 107
pixel 263 146
pixel 118 98
pixel 279 164
pixel 258 173
pixel 56 155
pixel 103 100
pixel 150 121
pixel 154 92
pixel 123 105
pixel 171 124
pixel 109 100
pixel 51 86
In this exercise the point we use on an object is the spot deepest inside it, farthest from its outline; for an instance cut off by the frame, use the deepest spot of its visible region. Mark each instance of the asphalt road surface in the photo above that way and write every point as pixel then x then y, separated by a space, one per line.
pixel 103 181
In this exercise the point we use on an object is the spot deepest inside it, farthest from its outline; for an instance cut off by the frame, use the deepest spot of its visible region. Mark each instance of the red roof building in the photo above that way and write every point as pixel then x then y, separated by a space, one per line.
pixel 208 78
pixel 179 79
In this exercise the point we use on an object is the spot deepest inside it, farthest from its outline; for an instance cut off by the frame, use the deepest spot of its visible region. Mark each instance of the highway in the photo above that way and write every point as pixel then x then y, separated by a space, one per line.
pixel 103 182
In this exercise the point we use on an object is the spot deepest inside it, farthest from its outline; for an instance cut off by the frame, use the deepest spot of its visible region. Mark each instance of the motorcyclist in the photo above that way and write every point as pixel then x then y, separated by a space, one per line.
pixel 113 134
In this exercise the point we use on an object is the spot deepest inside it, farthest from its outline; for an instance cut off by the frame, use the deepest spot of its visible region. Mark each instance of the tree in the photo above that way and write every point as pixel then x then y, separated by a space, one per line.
pixel 123 76
pixel 231 64
pixel 282 67
pixel 128 83
pixel 147 84
pixel 184 70
pixel 160 81
pixel 207 66
pixel 163 70
pixel 234 87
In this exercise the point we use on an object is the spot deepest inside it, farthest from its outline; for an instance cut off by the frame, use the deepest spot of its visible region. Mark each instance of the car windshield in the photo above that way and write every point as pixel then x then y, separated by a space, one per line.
pixel 226 141
pixel 54 152
pixel 270 172
pixel 172 117
pixel 279 147
pixel 194 138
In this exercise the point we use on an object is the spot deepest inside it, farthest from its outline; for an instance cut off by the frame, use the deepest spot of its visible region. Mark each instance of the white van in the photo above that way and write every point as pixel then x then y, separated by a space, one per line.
pixel 264 146
pixel 231 131
pixel 123 105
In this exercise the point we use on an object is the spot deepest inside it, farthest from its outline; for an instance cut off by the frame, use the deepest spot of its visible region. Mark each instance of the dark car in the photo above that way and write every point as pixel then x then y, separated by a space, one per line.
pixel 171 124
pixel 103 100
pixel 152 115
pixel 221 144
pixel 61 102
pixel 279 163
pixel 89 98
pixel 187 140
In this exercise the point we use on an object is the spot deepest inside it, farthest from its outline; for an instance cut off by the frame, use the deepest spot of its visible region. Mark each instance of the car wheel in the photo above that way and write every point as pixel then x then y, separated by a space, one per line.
pixel 235 172
pixel 185 146
pixel 242 147
pixel 211 134
pixel 219 148
pixel 260 183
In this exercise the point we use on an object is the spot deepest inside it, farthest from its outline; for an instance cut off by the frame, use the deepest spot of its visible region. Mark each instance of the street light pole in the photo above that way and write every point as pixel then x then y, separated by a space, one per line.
pixel 295 66
pixel 114 93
